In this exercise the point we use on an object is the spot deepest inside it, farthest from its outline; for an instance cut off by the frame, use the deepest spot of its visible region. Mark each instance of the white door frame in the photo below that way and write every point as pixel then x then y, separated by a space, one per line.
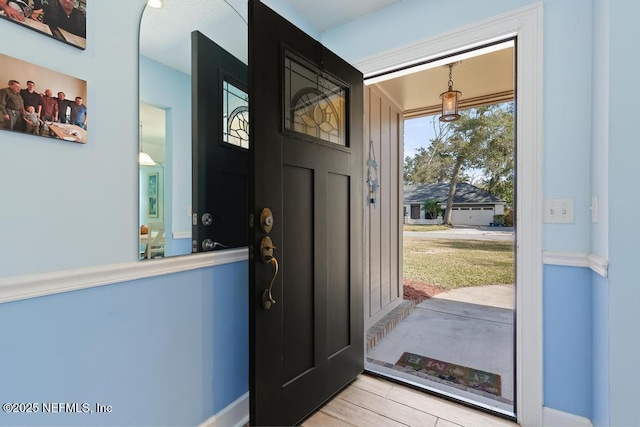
pixel 525 24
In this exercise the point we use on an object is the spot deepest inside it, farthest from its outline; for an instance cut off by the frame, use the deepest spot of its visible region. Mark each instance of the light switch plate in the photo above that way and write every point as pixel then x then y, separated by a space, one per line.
pixel 558 211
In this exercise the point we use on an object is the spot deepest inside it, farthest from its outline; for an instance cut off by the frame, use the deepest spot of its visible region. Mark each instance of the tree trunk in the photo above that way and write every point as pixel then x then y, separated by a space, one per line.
pixel 452 189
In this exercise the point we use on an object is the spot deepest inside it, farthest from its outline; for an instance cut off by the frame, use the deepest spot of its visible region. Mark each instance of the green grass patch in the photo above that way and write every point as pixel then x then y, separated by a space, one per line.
pixel 451 264
pixel 425 227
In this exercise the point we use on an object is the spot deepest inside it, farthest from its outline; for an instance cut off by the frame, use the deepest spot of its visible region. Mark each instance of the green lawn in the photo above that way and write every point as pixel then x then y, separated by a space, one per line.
pixel 450 264
pixel 421 227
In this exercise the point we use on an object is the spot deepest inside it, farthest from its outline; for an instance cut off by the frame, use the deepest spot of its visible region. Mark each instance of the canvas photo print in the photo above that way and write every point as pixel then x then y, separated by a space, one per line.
pixel 37 101
pixel 64 20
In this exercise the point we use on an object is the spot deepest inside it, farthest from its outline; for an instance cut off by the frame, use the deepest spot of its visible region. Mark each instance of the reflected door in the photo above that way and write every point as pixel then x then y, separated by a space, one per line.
pixel 220 147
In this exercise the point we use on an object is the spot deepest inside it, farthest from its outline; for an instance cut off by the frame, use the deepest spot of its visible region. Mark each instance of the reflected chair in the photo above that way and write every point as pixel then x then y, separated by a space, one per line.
pixel 155 243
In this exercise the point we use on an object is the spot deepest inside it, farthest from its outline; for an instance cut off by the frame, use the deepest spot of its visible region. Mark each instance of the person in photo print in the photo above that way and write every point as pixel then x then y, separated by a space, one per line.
pixel 63 14
pixel 11 12
pixel 63 107
pixel 12 106
pixel 79 113
pixel 32 120
pixel 31 97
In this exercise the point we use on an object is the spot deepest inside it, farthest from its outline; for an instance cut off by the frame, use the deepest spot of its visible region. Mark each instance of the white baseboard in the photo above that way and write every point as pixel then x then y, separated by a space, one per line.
pixel 236 414
pixel 554 418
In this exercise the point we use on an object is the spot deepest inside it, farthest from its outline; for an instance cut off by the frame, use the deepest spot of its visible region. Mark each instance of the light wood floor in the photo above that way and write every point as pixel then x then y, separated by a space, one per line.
pixel 371 401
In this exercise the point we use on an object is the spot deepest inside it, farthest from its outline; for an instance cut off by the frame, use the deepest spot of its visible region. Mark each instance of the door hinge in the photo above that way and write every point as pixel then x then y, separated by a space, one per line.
pixel 194 219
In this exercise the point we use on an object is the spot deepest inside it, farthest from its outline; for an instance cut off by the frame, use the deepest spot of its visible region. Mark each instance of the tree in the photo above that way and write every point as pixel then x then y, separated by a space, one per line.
pixel 432 209
pixel 499 161
pixel 466 146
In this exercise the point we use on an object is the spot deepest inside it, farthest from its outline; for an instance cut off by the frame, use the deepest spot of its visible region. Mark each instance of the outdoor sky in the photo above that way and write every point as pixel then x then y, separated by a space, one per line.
pixel 418 133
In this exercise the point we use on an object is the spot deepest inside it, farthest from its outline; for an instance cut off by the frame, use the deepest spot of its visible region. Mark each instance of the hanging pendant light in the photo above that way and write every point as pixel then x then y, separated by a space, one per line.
pixel 450 101
pixel 143 158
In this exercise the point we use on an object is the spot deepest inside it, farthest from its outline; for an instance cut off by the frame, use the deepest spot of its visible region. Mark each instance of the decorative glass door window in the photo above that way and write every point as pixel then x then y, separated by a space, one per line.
pixel 235 113
pixel 315 104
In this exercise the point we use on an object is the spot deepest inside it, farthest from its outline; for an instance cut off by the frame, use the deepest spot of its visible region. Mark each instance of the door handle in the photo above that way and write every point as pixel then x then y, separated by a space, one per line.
pixel 267 298
pixel 266 253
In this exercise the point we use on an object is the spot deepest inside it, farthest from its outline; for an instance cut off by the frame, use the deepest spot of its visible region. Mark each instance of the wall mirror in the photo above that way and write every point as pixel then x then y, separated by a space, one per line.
pixel 171 172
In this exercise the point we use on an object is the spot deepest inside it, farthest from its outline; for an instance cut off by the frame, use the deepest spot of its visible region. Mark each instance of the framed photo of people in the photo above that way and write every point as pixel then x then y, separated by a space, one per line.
pixel 38 101
pixel 64 20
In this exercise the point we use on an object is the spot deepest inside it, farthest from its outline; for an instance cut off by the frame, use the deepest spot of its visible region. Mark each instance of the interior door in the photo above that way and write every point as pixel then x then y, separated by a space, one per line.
pixel 220 142
pixel 306 337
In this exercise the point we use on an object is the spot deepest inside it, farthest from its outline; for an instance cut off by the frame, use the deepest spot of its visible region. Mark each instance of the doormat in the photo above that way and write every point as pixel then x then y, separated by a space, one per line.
pixel 449 373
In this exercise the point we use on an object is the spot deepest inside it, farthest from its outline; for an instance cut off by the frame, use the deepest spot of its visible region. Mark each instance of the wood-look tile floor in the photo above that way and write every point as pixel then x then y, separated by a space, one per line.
pixel 371 401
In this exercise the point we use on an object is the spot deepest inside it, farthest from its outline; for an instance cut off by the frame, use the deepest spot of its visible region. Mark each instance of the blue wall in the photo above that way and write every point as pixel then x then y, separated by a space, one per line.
pixel 600 350
pixel 567 339
pixel 165 351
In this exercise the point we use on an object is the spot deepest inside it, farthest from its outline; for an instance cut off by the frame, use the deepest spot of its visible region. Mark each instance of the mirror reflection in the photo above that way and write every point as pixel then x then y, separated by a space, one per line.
pixel 165 163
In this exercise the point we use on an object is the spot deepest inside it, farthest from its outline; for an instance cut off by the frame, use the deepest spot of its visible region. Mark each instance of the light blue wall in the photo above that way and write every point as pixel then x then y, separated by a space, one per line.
pixel 170 90
pixel 600 128
pixel 624 152
pixel 171 350
pixel 67 205
pixel 566 118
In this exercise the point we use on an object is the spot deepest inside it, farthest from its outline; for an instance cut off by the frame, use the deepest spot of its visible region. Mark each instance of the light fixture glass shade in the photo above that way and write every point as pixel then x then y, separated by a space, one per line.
pixel 156 4
pixel 145 160
pixel 450 105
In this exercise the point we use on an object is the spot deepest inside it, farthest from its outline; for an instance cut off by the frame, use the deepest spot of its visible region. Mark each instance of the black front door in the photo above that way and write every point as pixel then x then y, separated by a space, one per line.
pixel 306 338
pixel 220 153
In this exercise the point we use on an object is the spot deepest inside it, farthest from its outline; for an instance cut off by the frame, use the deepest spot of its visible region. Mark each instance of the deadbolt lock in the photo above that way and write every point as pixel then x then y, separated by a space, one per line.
pixel 266 220
pixel 207 219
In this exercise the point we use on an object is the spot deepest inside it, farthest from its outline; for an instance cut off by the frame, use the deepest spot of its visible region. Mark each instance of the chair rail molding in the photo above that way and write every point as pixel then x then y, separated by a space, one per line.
pixel 37 285
pixel 594 262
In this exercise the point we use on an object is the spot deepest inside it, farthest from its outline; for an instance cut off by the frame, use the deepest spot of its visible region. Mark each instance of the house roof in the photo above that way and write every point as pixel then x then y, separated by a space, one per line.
pixel 465 194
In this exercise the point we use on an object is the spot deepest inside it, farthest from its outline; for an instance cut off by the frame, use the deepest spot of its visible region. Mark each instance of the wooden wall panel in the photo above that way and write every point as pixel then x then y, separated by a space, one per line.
pixel 382 228
pixel 374 213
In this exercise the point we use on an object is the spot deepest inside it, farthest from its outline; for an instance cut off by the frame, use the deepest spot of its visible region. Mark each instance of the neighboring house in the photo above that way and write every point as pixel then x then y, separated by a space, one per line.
pixel 471 205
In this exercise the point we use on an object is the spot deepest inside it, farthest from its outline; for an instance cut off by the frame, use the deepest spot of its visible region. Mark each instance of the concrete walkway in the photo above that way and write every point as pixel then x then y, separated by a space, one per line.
pixel 472 327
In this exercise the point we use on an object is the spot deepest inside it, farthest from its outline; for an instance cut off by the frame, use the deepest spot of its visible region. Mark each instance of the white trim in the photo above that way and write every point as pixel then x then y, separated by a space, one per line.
pixel 182 234
pixel 596 263
pixel 235 414
pixel 526 24
pixel 37 285
pixel 554 418
pixel 497 28
pixel 599 264
pixel 565 259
